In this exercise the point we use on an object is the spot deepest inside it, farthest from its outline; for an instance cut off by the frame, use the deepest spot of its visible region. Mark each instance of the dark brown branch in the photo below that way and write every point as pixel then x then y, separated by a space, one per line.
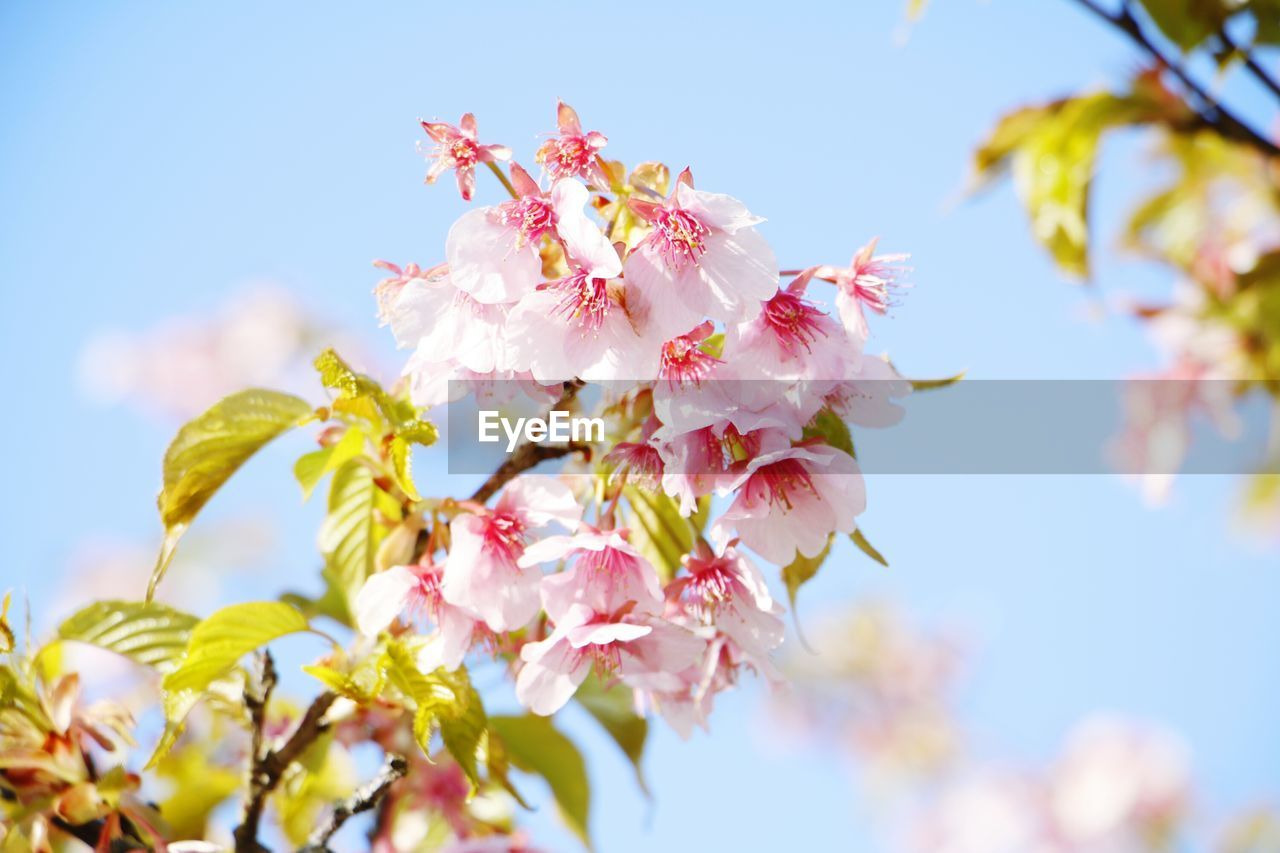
pixel 528 455
pixel 268 768
pixel 365 798
pixel 1213 114
pixel 1246 56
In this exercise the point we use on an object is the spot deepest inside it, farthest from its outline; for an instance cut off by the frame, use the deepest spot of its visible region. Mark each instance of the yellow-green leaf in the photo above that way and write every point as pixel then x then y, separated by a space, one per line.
pixel 866 547
pixel 536 746
pixel 209 449
pixel 218 642
pixel 363 396
pixel 1051 150
pixel 614 708
pixel 445 700
pixel 935 384
pixel 801 570
pixel 311 467
pixel 149 633
pixel 828 426
pixel 658 531
pixel 1186 23
pixel 349 535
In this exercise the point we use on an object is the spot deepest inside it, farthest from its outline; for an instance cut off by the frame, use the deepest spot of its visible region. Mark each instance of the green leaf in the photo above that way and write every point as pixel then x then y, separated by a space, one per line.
pixel 801 570
pixel 658 531
pixel 614 708
pixel 444 700
pixel 1186 23
pixel 311 467
pixel 828 426
pixel 209 449
pixel 349 535
pixel 362 396
pixel 218 642
pixel 865 547
pixel 1051 150
pixel 401 455
pixel 935 384
pixel 536 746
pixel 148 633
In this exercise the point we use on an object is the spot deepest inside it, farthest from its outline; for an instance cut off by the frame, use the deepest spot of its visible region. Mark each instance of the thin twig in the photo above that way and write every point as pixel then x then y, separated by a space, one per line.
pixel 268 768
pixel 528 455
pixel 1212 113
pixel 365 798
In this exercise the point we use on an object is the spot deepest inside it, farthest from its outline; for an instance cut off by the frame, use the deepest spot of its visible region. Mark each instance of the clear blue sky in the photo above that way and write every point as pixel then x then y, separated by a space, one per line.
pixel 153 155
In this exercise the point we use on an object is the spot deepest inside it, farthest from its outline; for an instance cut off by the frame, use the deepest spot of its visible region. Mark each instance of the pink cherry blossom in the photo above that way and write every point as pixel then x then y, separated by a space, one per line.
pixel 412 590
pixel 572 153
pixel 457 148
pixel 792 500
pixel 791 338
pixel 866 397
pixel 493 251
pixel 684 361
pixel 640 650
pixel 704 258
pixel 698 462
pixel 636 464
pixel 729 593
pixel 484 574
pixel 606 573
pixel 869 281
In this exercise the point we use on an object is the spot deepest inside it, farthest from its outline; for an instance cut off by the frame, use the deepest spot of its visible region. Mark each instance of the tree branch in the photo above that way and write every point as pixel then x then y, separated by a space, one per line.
pixel 528 455
pixel 1213 114
pixel 365 798
pixel 268 767
pixel 1246 56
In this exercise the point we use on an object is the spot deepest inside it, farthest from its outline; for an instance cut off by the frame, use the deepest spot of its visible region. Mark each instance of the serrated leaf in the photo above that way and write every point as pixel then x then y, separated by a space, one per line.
pixel 349 535
pixel 536 746
pixel 866 547
pixel 362 395
pixel 443 700
pixel 209 449
pixel 613 707
pixel 218 642
pixel 148 633
pixel 658 531
pixel 801 570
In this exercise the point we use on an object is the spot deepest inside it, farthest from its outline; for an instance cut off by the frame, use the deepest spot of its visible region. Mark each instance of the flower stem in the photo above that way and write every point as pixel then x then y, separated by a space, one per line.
pixel 493 167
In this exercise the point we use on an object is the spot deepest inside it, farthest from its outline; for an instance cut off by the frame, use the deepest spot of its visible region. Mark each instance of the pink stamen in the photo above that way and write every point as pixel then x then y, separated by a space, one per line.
pixel 778 482
pixel 795 321
pixel 679 236
pixel 683 362
pixel 532 216
pixel 583 298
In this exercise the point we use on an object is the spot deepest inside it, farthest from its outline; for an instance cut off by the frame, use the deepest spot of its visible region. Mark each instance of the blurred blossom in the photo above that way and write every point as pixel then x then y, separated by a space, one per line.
pixel 885 692
pixel 261 336
pixel 882 688
pixel 1118 785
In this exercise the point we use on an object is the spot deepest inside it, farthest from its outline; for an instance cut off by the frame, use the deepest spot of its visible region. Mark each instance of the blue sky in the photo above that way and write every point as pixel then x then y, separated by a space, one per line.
pixel 155 155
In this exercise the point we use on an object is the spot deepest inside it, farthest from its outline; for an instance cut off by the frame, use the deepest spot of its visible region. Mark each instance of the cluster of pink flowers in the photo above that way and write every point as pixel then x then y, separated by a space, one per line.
pixel 674 295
